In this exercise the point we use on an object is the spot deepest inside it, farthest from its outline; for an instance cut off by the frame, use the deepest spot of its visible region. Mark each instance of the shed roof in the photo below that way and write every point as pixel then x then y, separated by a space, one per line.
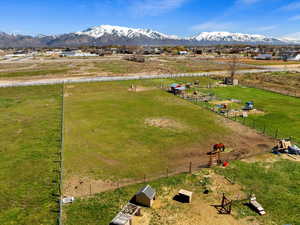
pixel 148 191
pixel 121 219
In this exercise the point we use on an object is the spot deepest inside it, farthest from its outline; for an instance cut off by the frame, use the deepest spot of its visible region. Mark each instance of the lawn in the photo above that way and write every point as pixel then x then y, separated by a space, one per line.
pixel 281 112
pixel 113 133
pixel 30 140
pixel 276 186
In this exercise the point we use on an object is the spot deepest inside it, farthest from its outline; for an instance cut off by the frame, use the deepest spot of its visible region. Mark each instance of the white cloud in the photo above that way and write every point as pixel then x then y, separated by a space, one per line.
pixel 155 7
pixel 291 6
pixel 213 26
pixel 292 36
pixel 294 18
pixel 267 28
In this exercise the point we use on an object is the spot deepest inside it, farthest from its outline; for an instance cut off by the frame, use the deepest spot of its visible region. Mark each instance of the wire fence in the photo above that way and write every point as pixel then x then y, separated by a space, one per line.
pixel 190 167
pixel 261 127
pixel 292 92
pixel 60 216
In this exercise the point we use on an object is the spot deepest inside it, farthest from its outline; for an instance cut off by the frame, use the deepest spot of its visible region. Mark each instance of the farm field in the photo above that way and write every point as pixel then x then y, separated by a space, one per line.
pixel 282 82
pixel 30 140
pixel 249 176
pixel 280 112
pixel 114 134
pixel 268 62
pixel 107 66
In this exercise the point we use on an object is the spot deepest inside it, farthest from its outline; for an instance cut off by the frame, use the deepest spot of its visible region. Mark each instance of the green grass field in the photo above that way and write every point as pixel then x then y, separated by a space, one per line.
pixel 281 111
pixel 30 140
pixel 108 137
pixel 33 73
pixel 276 186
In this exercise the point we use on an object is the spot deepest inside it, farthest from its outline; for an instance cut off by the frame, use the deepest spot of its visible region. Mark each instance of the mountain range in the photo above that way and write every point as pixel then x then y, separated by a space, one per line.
pixel 116 35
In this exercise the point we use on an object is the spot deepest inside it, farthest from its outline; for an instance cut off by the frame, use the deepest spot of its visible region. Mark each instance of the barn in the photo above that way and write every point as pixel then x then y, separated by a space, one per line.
pixel 145 196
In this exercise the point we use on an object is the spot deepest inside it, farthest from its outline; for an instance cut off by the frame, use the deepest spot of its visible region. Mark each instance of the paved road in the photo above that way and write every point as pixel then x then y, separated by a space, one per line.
pixel 118 78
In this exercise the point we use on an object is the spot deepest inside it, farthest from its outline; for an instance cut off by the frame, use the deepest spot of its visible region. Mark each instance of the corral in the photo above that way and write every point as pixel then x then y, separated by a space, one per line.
pixel 114 136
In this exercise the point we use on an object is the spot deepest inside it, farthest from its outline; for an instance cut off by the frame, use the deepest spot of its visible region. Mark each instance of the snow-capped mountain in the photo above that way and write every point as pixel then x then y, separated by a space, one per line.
pixel 116 35
pixel 100 31
pixel 226 37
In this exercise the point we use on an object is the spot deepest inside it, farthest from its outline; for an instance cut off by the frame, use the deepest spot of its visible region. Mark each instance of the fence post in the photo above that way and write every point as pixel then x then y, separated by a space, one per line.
pixel 276 134
pixel 190 169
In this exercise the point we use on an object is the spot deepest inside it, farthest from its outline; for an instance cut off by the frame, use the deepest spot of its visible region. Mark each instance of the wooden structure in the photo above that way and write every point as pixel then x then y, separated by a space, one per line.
pixel 125 216
pixel 185 196
pixel 145 196
pixel 225 205
pixel 215 154
pixel 283 145
pixel 256 205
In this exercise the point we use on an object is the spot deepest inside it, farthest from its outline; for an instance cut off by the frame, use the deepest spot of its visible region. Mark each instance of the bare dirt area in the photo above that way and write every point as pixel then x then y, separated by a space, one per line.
pixel 165 123
pixel 85 186
pixel 246 141
pixel 141 89
pixel 201 211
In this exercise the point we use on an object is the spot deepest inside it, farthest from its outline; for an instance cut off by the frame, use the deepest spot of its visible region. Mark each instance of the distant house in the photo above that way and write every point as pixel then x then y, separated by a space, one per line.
pixel 182 52
pixel 263 57
pixel 145 196
pixel 76 53
pixel 296 57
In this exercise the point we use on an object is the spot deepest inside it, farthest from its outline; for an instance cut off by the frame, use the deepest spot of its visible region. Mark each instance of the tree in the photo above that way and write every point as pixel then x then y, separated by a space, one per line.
pixel 232 66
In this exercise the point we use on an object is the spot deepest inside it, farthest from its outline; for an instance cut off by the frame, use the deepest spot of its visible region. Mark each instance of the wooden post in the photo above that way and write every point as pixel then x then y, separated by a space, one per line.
pixel 90 189
pixel 276 134
pixel 190 169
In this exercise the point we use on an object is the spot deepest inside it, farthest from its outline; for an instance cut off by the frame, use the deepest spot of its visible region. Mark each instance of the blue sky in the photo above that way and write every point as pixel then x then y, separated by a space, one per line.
pixel 180 17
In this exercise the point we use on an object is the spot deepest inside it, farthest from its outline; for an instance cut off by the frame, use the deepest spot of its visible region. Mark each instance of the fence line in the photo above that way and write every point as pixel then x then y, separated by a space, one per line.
pixel 265 130
pixel 293 93
pixel 60 216
pixel 124 77
pixel 188 168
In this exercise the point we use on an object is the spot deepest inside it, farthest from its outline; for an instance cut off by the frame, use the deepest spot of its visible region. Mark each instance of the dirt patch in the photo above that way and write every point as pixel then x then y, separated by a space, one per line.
pixel 220 102
pixel 295 158
pixel 141 88
pixel 200 212
pixel 268 157
pixel 221 185
pixel 83 186
pixel 165 123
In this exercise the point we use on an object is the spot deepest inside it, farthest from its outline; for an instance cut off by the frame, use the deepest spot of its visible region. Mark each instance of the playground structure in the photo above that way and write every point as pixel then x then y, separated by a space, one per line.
pixel 215 155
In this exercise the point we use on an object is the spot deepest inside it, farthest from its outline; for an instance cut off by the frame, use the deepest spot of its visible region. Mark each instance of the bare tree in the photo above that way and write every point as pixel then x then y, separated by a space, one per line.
pixel 232 66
